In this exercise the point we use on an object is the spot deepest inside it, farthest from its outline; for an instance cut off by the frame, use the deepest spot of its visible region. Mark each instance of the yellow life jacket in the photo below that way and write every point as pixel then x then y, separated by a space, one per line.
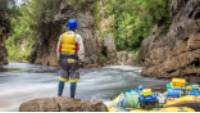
pixel 68 43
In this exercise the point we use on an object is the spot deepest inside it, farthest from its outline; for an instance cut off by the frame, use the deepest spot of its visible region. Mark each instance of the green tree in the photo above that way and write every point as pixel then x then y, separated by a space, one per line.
pixel 133 19
pixel 130 21
pixel 30 21
pixel 27 24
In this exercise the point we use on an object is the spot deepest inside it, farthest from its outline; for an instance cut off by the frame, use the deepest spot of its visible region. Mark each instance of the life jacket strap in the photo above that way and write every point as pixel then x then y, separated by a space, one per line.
pixel 68 56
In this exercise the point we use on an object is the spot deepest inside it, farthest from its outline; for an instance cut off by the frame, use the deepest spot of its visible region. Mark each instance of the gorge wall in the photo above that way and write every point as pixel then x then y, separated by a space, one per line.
pixel 4 30
pixel 44 50
pixel 174 51
pixel 99 50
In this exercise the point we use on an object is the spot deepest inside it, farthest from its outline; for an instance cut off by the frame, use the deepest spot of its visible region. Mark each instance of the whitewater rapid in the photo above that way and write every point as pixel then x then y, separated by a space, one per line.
pixel 20 82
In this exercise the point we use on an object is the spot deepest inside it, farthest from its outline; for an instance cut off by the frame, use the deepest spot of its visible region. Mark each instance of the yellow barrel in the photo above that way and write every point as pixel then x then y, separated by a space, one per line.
pixel 147 92
pixel 178 82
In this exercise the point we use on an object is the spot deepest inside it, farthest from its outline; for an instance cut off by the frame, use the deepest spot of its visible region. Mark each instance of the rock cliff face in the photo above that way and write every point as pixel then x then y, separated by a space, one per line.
pixel 4 30
pixel 60 104
pixel 44 51
pixel 175 51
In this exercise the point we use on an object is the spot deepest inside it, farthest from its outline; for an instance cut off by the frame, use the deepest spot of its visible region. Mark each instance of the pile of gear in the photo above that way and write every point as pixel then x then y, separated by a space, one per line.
pixel 179 96
pixel 179 87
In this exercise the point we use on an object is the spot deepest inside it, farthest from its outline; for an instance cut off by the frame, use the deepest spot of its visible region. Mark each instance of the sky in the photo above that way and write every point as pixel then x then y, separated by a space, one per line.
pixel 18 2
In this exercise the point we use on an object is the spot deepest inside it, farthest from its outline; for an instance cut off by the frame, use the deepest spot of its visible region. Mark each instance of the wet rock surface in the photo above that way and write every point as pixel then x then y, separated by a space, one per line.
pixel 175 51
pixel 58 104
pixel 125 58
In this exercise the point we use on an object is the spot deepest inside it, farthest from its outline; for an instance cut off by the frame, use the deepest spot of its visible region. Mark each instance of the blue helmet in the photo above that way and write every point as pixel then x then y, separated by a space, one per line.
pixel 72 24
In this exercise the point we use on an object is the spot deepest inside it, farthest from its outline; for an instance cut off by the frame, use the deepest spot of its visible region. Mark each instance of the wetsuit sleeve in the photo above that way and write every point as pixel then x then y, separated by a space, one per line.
pixel 58 48
pixel 81 50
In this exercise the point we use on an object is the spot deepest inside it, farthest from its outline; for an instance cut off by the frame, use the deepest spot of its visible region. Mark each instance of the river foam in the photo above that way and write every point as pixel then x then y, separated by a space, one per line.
pixel 31 81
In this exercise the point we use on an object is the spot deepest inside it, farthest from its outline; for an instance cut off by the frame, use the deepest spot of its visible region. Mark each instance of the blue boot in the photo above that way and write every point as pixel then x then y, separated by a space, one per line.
pixel 73 90
pixel 61 85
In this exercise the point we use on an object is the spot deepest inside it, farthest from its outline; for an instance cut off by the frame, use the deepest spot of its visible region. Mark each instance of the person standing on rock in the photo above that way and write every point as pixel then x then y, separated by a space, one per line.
pixel 70 50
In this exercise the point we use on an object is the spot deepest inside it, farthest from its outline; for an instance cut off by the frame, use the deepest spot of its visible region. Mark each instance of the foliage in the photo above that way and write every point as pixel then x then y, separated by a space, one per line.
pixel 20 31
pixel 7 9
pixel 26 25
pixel 132 19
pixel 6 5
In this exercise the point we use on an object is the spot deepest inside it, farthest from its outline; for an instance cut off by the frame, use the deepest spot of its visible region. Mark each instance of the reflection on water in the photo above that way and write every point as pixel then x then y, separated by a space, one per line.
pixel 20 82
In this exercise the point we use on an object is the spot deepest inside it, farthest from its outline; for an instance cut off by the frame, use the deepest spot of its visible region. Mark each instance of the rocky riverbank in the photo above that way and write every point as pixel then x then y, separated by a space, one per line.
pixel 174 51
pixel 60 104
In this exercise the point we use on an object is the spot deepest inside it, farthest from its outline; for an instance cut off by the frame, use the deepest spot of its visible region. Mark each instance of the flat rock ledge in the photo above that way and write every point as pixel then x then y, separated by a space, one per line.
pixel 60 104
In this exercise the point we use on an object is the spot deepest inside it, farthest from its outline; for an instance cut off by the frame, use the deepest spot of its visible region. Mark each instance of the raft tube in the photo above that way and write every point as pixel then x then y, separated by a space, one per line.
pixel 186 101
pixel 170 109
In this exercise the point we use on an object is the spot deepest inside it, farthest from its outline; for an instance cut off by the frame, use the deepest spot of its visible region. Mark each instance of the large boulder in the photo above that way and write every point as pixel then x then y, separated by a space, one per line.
pixel 59 104
pixel 174 51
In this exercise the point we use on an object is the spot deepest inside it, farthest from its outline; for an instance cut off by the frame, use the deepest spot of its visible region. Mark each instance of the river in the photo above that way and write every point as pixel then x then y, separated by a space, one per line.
pixel 20 82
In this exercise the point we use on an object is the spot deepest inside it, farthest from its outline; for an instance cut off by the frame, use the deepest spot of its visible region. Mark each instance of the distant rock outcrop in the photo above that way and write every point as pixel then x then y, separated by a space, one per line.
pixel 60 104
pixel 174 51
